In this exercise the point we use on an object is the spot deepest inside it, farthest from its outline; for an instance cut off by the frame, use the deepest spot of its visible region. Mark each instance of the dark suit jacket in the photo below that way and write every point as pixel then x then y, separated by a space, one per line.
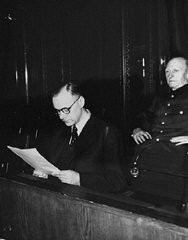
pixel 96 155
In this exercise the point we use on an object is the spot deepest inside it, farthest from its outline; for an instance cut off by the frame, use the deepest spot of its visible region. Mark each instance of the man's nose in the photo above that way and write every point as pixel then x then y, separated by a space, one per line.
pixel 62 115
pixel 171 74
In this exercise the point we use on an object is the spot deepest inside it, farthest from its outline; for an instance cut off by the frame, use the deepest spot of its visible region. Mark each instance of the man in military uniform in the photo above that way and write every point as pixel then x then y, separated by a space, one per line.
pixel 162 138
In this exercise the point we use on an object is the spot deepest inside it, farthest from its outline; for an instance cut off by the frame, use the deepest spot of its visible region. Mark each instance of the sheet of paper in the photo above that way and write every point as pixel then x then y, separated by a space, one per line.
pixel 35 160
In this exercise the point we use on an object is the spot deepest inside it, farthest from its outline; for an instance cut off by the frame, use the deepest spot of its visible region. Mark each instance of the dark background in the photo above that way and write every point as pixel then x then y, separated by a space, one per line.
pixel 117 48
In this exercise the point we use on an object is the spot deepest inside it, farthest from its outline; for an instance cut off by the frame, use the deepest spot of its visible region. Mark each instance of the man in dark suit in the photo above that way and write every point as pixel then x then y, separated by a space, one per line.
pixel 88 151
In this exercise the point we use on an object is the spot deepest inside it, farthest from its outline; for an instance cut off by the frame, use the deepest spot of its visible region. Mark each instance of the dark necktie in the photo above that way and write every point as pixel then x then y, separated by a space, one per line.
pixel 74 135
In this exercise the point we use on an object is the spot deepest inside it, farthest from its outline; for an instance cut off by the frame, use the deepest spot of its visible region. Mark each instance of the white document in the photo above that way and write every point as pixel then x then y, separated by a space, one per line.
pixel 35 160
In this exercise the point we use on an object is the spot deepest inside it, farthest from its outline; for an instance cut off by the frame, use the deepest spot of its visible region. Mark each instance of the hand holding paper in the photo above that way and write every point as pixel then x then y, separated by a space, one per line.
pixel 68 176
pixel 43 168
pixel 40 174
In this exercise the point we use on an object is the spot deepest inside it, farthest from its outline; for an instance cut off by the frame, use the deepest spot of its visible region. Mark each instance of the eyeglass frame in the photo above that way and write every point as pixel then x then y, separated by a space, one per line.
pixel 66 110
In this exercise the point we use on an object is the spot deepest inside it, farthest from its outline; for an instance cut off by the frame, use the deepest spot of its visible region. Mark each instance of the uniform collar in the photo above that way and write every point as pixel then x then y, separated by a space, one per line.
pixel 180 91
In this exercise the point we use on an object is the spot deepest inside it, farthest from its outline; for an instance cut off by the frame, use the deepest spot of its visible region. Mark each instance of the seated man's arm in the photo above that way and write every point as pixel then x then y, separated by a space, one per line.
pixel 145 120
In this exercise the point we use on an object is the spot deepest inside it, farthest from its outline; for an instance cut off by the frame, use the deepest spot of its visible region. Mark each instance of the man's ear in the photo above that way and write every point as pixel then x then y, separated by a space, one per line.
pixel 186 76
pixel 81 101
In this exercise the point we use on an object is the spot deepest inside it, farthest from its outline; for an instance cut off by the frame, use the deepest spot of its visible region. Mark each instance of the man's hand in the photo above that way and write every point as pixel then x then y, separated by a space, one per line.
pixel 40 174
pixel 179 140
pixel 68 176
pixel 140 136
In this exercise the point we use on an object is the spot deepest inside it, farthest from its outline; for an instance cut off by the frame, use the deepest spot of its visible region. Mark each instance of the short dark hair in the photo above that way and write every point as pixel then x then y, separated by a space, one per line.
pixel 71 87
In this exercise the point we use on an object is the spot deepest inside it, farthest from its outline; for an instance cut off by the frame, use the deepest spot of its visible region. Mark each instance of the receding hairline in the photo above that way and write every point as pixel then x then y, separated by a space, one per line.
pixel 180 59
pixel 69 88
pixel 63 91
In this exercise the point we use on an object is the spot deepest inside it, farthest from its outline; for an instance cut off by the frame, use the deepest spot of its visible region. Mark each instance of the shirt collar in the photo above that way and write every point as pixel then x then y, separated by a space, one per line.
pixel 84 118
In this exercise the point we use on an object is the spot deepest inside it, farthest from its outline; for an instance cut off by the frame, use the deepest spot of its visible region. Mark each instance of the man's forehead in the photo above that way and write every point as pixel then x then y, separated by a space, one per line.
pixel 63 98
pixel 176 63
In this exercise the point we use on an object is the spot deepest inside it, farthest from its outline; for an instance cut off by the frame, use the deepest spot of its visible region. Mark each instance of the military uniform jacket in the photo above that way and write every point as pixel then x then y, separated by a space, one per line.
pixel 168 116
pixel 160 167
pixel 96 155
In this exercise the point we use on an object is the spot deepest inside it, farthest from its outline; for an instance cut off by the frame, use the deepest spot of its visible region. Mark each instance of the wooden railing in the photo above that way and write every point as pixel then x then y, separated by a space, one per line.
pixel 34 209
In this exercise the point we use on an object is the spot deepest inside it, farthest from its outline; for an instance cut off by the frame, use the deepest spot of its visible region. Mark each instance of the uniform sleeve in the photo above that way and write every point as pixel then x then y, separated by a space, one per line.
pixel 145 119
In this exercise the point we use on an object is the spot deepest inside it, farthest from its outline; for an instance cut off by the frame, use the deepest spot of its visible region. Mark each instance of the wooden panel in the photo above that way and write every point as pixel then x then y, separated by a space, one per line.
pixel 31 212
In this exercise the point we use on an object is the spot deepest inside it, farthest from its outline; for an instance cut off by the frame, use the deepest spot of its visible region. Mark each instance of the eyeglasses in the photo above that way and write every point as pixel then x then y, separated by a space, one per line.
pixel 65 110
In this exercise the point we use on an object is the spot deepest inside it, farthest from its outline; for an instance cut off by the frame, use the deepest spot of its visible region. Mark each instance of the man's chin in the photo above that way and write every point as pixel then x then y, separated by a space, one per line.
pixel 172 86
pixel 68 124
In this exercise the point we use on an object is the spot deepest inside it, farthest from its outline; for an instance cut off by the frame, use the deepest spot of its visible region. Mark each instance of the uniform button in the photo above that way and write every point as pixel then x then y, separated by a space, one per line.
pixel 165 114
pixel 168 104
pixel 162 123
pixel 172 96
pixel 181 112
pixel 161 131
pixel 157 139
